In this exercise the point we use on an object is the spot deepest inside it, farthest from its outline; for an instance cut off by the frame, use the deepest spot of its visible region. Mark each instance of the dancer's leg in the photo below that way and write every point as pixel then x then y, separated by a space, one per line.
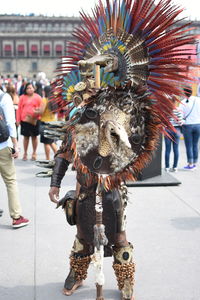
pixel 123 266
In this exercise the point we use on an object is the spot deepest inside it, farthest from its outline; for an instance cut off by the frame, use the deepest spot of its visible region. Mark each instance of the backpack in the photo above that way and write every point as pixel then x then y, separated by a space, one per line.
pixel 4 130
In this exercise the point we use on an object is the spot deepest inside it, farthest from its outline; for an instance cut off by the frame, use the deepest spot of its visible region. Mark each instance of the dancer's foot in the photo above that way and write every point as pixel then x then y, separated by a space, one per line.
pixel 70 292
pixel 131 298
pixel 127 290
pixel 71 284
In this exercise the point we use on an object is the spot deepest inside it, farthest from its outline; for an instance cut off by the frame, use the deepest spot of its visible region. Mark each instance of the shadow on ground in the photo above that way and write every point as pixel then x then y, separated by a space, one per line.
pixel 52 291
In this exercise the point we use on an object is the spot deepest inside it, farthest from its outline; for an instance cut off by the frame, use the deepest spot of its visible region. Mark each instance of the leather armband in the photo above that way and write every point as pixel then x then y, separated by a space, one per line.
pixel 59 170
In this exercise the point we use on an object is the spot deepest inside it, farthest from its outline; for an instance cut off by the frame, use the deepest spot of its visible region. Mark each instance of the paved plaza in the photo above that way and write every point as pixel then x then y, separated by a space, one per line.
pixel 163 225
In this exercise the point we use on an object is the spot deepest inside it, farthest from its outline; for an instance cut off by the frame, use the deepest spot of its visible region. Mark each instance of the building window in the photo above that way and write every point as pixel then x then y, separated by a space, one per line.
pixel 34 50
pixel 43 27
pixel 59 50
pixel 46 50
pixel 8 66
pixel 36 27
pixel 57 27
pixel 2 27
pixel 69 27
pixel 63 27
pixel 29 27
pixel 20 50
pixel 49 27
pixel 7 50
pixel 34 67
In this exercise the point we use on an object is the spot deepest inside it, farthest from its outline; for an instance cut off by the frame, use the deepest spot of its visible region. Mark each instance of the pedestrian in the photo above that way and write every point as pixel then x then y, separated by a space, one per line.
pixel 28 116
pixel 190 107
pixel 8 151
pixel 172 140
pixel 46 116
pixel 18 84
pixel 15 98
pixel 10 89
pixel 22 86
pixel 38 88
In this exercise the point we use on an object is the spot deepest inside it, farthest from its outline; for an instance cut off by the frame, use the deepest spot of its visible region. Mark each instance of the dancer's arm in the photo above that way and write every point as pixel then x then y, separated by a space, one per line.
pixel 62 161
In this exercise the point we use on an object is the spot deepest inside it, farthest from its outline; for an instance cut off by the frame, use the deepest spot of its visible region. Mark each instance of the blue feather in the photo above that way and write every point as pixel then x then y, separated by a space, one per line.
pixel 138 26
pixel 155 74
pixel 155 58
pixel 149 40
pixel 154 52
pixel 153 83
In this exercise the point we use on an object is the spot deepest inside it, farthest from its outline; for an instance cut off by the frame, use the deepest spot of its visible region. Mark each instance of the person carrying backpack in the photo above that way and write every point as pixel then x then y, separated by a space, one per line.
pixel 8 151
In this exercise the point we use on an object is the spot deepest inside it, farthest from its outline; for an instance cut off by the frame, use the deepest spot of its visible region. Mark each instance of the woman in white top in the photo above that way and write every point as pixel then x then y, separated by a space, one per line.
pixel 190 107
pixel 172 140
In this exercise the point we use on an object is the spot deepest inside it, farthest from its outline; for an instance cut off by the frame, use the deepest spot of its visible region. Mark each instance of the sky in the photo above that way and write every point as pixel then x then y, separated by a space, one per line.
pixel 72 7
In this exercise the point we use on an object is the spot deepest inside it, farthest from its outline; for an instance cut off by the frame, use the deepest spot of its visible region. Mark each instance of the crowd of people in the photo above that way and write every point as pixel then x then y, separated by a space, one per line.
pixel 186 122
pixel 24 104
pixel 30 99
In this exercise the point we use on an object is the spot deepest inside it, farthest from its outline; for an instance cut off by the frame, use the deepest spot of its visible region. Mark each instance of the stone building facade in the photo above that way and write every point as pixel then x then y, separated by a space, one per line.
pixel 32 44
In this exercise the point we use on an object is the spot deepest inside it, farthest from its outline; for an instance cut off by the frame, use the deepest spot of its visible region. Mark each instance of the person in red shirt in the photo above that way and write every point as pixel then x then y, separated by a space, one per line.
pixel 28 116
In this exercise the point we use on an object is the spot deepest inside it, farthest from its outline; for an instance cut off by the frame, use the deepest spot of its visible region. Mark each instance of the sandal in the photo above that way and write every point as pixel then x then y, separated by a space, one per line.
pixel 34 157
pixel 25 157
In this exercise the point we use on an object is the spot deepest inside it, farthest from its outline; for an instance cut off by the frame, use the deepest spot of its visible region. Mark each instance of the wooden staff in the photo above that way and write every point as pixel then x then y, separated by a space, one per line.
pixel 100 241
pixel 97 77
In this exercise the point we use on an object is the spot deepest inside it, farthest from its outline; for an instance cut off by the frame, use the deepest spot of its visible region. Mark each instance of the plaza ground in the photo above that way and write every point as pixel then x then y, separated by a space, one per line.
pixel 163 225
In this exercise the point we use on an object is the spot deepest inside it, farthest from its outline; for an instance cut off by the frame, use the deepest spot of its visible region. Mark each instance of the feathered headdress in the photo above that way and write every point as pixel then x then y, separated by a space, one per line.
pixel 118 81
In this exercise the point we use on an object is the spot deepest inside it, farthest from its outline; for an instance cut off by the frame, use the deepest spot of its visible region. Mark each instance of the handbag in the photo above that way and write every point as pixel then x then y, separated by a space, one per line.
pixel 4 130
pixel 31 120
pixel 190 111
pixel 68 203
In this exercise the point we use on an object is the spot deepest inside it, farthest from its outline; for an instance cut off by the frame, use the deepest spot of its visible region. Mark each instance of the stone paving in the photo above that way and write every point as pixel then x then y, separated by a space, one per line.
pixel 163 225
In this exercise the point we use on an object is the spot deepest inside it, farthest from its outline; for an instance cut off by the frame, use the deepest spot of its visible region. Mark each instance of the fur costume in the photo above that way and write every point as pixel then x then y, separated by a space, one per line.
pixel 117 83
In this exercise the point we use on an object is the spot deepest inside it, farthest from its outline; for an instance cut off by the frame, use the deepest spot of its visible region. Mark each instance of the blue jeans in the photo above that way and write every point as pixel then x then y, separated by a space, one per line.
pixel 173 141
pixel 191 135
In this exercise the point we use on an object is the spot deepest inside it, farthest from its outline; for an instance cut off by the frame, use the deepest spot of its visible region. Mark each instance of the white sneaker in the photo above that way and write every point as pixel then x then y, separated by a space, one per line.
pixel 167 170
pixel 174 170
